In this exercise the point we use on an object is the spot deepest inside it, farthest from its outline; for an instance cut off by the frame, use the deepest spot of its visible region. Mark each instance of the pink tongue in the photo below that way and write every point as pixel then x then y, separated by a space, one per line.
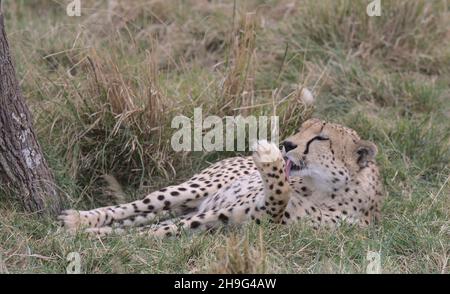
pixel 287 169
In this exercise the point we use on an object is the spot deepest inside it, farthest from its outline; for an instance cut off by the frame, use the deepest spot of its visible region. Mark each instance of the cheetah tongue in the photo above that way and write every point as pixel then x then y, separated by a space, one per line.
pixel 287 169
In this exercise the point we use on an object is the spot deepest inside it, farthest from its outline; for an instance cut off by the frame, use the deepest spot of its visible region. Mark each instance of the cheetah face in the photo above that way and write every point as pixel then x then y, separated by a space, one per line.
pixel 328 154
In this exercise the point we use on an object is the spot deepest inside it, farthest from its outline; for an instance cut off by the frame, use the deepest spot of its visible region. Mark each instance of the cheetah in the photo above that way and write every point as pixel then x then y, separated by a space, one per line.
pixel 324 174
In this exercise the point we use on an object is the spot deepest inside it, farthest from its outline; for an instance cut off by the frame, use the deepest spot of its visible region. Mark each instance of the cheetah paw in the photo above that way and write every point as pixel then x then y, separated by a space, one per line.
pixel 266 152
pixel 73 219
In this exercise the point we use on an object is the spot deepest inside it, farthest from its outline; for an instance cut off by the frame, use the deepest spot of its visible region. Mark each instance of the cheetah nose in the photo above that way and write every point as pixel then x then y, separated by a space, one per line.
pixel 288 146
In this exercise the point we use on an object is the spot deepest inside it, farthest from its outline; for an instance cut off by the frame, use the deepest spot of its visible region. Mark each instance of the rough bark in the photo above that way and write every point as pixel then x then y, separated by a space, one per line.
pixel 23 169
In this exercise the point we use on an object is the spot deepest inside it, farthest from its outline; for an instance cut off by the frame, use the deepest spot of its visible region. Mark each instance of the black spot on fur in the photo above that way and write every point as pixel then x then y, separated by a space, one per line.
pixel 195 224
pixel 166 205
pixel 223 218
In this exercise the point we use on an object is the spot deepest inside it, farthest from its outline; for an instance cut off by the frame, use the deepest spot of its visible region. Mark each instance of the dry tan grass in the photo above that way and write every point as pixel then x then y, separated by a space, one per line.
pixel 238 256
pixel 238 87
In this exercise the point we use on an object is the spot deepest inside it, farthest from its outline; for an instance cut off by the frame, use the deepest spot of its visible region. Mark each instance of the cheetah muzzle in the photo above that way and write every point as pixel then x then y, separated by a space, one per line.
pixel 324 174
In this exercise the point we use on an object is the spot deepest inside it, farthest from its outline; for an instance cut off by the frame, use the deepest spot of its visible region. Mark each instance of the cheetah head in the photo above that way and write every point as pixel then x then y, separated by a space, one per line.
pixel 329 154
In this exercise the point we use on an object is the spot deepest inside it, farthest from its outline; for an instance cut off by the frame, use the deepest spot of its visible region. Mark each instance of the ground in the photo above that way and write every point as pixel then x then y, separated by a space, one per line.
pixel 98 85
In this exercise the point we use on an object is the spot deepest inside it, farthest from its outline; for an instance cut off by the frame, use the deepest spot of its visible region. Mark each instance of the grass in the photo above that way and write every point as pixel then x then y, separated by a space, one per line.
pixel 104 87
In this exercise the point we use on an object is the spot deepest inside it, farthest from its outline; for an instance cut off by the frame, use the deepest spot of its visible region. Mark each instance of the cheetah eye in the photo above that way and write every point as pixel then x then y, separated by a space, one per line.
pixel 323 137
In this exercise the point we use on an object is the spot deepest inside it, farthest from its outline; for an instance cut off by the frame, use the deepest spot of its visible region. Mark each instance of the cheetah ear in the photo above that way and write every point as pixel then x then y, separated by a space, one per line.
pixel 365 152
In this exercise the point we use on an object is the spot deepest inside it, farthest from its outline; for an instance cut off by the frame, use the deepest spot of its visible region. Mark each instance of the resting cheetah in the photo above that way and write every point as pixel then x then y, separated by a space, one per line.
pixel 324 173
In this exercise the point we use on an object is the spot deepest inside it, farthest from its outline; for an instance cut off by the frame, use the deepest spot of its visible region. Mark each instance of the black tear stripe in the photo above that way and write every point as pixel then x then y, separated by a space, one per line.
pixel 320 138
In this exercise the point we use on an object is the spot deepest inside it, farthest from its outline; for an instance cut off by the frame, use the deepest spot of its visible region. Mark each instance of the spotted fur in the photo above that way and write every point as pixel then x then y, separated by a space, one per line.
pixel 324 173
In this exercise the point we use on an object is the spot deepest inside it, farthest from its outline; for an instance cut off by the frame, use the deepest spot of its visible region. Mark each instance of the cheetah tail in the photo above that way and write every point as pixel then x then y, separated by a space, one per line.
pixel 114 189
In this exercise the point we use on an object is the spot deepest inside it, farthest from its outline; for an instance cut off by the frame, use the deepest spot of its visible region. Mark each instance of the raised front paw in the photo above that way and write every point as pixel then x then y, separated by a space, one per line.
pixel 267 156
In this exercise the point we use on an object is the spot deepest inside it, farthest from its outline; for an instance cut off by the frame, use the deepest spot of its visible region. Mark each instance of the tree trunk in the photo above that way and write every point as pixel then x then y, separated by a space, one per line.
pixel 23 169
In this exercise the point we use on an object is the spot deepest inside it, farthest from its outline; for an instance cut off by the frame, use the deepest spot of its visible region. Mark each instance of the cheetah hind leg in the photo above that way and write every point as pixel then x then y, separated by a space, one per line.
pixel 163 218
pixel 175 224
pixel 271 166
pixel 184 195
pixel 201 221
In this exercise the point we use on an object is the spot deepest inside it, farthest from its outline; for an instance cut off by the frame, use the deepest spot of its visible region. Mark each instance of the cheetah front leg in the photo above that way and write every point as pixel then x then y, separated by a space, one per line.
pixel 143 210
pixel 271 166
pixel 188 194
